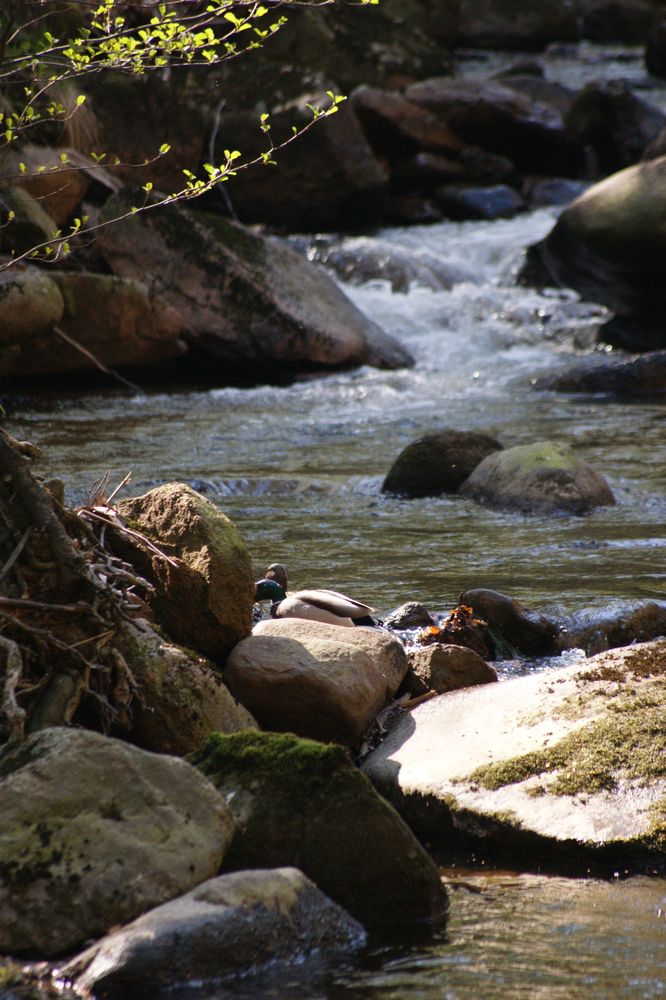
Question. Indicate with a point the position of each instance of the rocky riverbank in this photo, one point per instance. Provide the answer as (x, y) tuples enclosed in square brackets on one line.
[(562, 769)]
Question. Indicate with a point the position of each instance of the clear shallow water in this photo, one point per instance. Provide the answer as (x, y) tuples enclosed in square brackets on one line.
[(299, 468), (508, 936)]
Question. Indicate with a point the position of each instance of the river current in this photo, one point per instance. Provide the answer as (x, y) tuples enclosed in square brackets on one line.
[(299, 470)]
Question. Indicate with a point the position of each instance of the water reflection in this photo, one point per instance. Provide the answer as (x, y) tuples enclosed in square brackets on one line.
[(509, 935)]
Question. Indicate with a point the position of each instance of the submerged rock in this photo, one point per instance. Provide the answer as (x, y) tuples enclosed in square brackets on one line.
[(249, 299), (545, 477), (438, 463), (228, 926), (205, 588), (597, 630), (298, 802), (316, 680), (636, 376), (562, 769), (94, 832)]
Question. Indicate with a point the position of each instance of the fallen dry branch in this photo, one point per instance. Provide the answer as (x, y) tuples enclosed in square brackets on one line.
[(65, 600)]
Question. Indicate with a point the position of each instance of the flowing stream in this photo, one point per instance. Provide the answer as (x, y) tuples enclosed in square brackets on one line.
[(299, 469)]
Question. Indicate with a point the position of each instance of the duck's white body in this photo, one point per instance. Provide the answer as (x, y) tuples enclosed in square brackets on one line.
[(322, 606)]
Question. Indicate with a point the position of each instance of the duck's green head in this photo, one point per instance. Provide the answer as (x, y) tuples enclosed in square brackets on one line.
[(269, 590)]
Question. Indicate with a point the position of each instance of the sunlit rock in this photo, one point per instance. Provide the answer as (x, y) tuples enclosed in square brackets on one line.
[(561, 769), (511, 622), (316, 680), (446, 668), (204, 586)]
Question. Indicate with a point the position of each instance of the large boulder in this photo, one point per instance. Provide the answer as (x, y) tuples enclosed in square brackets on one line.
[(438, 462), (329, 179), (205, 586), (613, 125), (180, 698), (94, 832), (228, 926), (610, 246), (545, 477), (618, 624), (316, 680), (250, 300), (292, 800), (107, 321), (490, 114), (560, 769), (515, 24)]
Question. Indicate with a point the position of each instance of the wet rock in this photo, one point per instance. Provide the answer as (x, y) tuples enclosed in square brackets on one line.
[(409, 615), (58, 188), (228, 926), (205, 588), (315, 680), (116, 320), (293, 799), (438, 463), (180, 698), (540, 478), (609, 245), (460, 628), (634, 376), (552, 191), (30, 304), (522, 628), (447, 668), (459, 202), (248, 299), (515, 24), (560, 770), (613, 125), (329, 179), (93, 832), (596, 630), (493, 116)]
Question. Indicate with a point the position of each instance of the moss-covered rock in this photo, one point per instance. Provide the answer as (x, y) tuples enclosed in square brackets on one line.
[(180, 697), (205, 586), (545, 477), (564, 769), (93, 832), (303, 803)]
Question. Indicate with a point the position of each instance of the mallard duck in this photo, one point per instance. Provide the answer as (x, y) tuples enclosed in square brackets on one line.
[(315, 605)]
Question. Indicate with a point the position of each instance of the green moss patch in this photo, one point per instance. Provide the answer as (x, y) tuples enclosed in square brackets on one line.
[(641, 663), (629, 742), (281, 755)]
